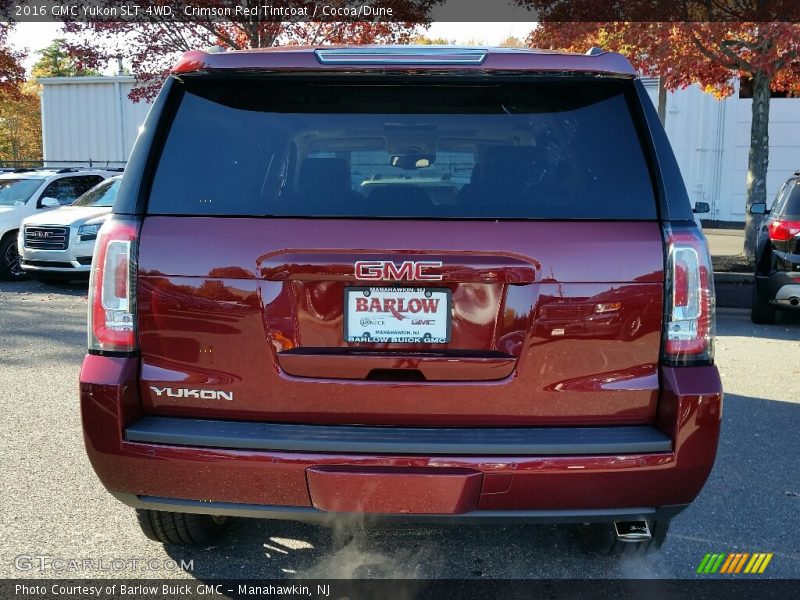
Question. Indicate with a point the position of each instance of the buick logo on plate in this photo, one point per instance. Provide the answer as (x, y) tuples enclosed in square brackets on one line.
[(367, 322)]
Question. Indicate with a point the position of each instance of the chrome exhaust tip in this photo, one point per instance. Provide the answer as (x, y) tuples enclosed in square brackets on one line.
[(632, 531)]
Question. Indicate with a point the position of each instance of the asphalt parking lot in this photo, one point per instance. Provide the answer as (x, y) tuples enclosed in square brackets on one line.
[(51, 504)]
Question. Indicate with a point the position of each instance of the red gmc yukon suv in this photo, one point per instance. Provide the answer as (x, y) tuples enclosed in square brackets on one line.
[(425, 284)]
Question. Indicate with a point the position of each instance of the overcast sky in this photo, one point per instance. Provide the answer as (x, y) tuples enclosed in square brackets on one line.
[(35, 36)]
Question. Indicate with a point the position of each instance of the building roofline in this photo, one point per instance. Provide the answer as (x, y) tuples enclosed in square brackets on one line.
[(90, 79)]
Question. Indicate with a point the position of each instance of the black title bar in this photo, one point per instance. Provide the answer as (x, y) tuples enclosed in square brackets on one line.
[(396, 11), (405, 589)]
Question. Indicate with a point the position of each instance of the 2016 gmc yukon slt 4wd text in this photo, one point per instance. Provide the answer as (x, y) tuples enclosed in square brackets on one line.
[(439, 284)]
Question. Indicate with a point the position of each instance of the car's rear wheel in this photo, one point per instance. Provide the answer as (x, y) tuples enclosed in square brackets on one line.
[(184, 529), (631, 327), (10, 265), (761, 311), (601, 538)]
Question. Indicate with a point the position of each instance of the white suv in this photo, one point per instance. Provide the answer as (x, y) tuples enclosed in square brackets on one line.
[(25, 192), (58, 245)]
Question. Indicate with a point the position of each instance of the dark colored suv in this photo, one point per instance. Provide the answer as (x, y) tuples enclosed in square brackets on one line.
[(426, 284), (777, 274)]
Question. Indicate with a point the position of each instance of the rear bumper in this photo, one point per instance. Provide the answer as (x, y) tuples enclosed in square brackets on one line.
[(309, 514), (780, 288), (600, 473), (348, 439), (69, 267), (76, 270), (76, 259)]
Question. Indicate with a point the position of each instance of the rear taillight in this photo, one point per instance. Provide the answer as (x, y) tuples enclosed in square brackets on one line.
[(783, 231), (112, 288), (689, 298)]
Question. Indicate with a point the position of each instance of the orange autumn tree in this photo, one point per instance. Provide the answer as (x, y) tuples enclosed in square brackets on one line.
[(12, 73), (20, 123), (712, 55), (151, 45), (20, 129)]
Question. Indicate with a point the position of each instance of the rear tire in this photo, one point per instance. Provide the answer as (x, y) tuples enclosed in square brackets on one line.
[(631, 328), (600, 538), (761, 311), (10, 266), (183, 529)]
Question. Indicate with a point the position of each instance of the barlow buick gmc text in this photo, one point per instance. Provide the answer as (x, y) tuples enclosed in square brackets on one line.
[(396, 283)]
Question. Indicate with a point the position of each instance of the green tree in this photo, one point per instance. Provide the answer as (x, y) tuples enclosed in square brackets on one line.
[(56, 61)]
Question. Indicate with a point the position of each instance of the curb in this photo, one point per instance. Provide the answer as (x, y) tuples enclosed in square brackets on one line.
[(740, 278)]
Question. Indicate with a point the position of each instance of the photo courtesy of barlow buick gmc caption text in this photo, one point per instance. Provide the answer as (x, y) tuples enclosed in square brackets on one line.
[(399, 299)]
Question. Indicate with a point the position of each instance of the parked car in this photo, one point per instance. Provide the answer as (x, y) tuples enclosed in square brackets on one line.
[(265, 341), (776, 284), (25, 192), (58, 244)]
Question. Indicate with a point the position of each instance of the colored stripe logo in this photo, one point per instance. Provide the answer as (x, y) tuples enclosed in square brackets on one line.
[(734, 563)]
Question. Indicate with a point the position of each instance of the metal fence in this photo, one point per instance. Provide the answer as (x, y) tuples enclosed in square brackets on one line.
[(34, 163)]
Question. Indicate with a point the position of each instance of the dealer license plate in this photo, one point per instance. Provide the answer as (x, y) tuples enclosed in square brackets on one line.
[(397, 315)]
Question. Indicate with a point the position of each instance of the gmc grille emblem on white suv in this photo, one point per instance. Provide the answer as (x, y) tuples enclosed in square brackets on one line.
[(409, 270)]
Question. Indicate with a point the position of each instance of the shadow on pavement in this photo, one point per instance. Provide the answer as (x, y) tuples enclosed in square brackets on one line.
[(76, 287), (785, 328), (750, 498), (750, 503), (753, 493), (39, 323)]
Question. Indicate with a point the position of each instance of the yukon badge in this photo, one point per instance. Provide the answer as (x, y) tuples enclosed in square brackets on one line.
[(410, 270), (187, 393)]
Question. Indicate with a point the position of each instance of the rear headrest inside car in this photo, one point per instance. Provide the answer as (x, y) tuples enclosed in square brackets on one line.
[(324, 175)]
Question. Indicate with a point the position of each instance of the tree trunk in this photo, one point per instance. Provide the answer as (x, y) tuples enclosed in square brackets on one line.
[(662, 101), (758, 160)]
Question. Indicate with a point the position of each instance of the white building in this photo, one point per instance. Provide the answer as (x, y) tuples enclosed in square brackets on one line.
[(711, 140), (89, 119), (92, 118)]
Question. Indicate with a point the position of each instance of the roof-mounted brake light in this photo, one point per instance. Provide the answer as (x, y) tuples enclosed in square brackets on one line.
[(410, 55)]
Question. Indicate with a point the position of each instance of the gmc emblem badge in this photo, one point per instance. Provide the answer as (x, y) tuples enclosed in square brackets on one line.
[(409, 270)]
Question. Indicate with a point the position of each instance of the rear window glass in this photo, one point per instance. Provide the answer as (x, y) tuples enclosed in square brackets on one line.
[(545, 150), (17, 191), (793, 203), (102, 195)]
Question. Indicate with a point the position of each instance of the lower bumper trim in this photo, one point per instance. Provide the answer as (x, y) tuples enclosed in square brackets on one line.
[(55, 266), (532, 441), (309, 514)]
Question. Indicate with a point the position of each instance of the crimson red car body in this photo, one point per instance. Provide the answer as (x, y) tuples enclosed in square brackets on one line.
[(689, 411), (382, 58), (555, 360)]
